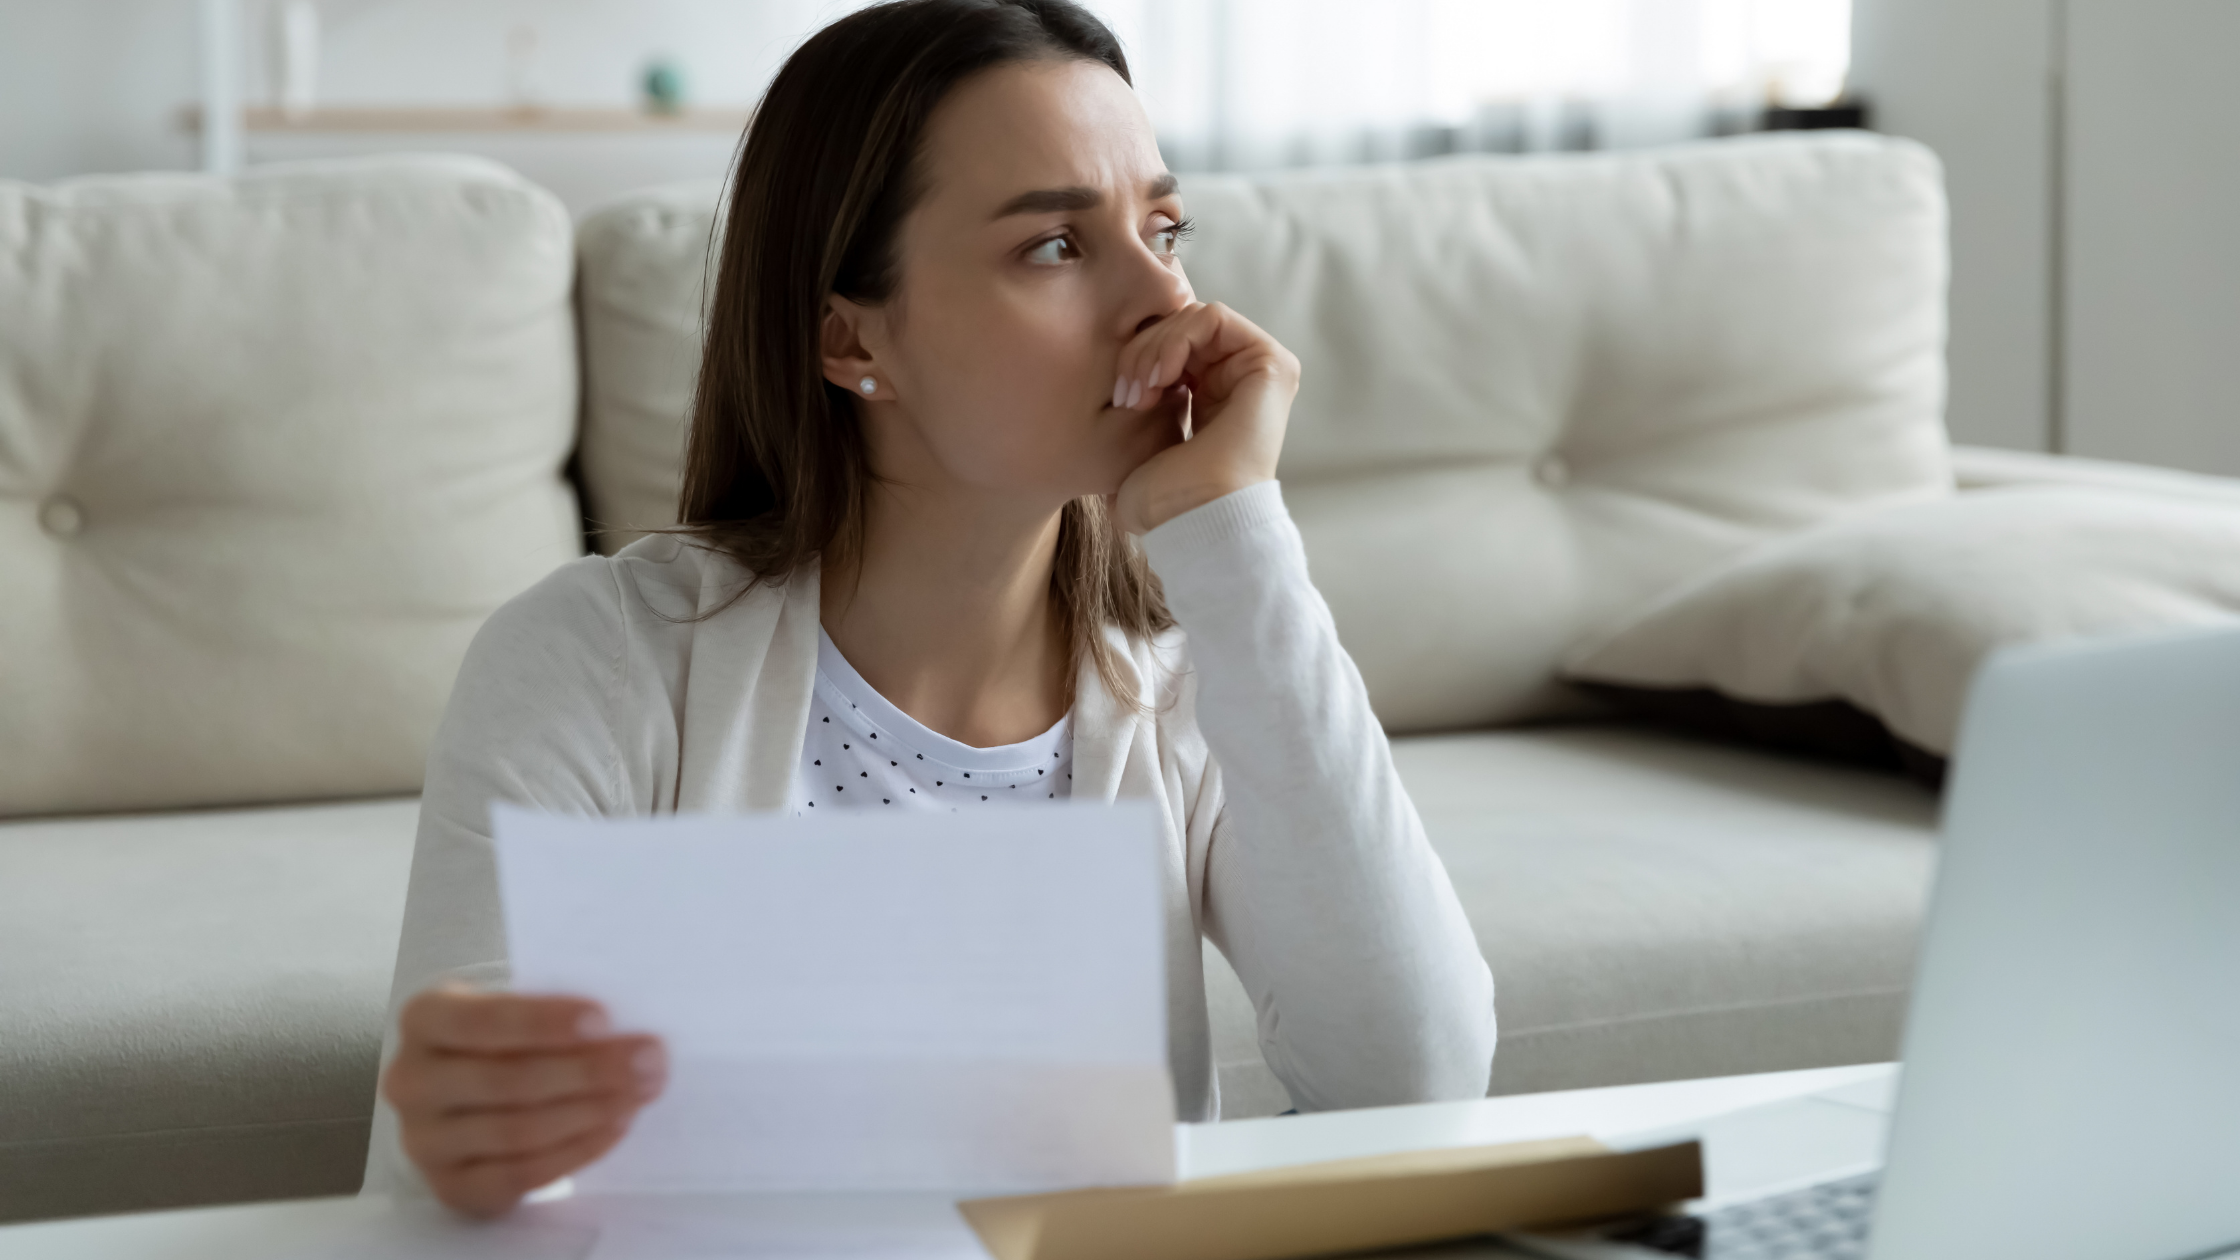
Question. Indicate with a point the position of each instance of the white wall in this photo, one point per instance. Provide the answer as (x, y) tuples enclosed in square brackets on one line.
[(1971, 79), (2092, 153), (580, 52), (2152, 371), (95, 85)]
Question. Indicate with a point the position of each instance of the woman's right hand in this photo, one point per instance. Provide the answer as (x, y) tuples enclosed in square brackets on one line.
[(497, 1094)]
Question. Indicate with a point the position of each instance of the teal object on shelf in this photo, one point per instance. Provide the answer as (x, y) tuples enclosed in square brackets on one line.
[(664, 87)]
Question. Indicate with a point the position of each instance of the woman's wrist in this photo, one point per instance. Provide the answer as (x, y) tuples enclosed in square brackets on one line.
[(1168, 504)]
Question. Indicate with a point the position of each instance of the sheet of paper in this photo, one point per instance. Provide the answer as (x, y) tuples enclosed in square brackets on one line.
[(781, 1227), (870, 1001), (375, 1228)]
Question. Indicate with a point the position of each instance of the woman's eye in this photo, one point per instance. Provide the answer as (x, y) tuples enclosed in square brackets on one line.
[(1057, 249), (1169, 238)]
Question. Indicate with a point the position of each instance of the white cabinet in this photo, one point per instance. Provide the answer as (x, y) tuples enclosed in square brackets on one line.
[(2151, 362), (2092, 153)]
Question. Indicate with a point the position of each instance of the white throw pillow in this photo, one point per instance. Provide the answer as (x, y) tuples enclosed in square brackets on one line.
[(1891, 610)]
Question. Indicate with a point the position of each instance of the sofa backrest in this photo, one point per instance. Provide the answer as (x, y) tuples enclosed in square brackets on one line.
[(1537, 392), (270, 450)]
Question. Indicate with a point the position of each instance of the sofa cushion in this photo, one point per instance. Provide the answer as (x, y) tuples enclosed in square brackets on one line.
[(1656, 908), (1892, 611), (1537, 391), (643, 264), (270, 449), (193, 1003)]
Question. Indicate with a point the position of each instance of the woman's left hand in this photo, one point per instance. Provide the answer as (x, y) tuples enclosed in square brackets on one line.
[(1239, 382)]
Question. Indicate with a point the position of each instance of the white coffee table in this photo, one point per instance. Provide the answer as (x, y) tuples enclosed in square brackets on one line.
[(1760, 1133)]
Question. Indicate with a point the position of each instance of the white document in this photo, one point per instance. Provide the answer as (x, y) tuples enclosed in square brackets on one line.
[(781, 1227), (870, 1001)]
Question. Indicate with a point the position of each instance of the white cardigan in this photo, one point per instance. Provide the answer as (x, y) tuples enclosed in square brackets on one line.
[(1290, 842)]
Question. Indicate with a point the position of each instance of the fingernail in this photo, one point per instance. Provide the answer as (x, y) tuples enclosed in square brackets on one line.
[(1119, 389), (650, 1065), (593, 1024), (1135, 393)]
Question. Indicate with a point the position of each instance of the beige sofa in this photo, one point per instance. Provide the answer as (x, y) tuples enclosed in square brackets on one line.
[(270, 449)]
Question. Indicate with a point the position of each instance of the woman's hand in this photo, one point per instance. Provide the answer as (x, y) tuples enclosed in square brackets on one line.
[(499, 1093), (1239, 383)]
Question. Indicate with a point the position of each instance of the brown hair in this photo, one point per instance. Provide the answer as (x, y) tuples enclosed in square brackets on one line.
[(776, 472)]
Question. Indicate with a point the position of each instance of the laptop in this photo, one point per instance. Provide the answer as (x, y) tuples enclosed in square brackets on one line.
[(2072, 1054)]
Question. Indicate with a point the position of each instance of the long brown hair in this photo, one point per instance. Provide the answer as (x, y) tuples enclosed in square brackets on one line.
[(776, 472)]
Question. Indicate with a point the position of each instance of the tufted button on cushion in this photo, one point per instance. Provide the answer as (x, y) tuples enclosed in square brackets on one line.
[(311, 422), (61, 517), (1740, 339)]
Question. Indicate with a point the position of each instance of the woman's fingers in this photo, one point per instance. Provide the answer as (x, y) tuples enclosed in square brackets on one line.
[(1158, 355), (516, 1131), (460, 1019), (632, 1067), (490, 1187), (499, 1093), (1196, 340)]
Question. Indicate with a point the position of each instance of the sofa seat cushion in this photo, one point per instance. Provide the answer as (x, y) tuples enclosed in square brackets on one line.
[(1656, 908), (193, 1003), (271, 448)]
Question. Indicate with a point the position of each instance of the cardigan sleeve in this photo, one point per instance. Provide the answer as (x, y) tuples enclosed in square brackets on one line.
[(530, 721), (1320, 886)]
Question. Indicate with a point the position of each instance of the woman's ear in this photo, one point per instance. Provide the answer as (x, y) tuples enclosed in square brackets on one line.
[(848, 362)]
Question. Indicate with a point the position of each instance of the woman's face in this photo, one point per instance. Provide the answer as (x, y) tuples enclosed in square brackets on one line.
[(1044, 241)]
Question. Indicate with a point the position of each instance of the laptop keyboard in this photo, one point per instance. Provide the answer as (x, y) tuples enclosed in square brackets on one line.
[(1823, 1222)]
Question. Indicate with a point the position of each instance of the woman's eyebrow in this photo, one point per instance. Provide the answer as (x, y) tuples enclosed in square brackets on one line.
[(1077, 197)]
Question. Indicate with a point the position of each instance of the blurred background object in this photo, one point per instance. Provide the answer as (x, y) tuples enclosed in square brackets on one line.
[(299, 58), (664, 86), (1251, 84), (589, 98)]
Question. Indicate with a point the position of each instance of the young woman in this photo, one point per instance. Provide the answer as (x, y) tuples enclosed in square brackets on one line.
[(953, 364)]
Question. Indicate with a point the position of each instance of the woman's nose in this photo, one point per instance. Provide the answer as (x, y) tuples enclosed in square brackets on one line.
[(1168, 291)]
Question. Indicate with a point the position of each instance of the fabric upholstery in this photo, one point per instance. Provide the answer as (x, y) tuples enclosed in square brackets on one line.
[(644, 266), (1656, 908), (1836, 730), (1894, 610), (1653, 908), (1987, 468), (270, 449), (193, 1003), (1544, 388)]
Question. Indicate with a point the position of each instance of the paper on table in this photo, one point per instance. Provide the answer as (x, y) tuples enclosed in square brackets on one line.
[(871, 1001), (410, 1229), (794, 1227)]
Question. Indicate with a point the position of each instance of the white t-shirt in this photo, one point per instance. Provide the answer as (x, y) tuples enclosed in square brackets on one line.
[(862, 751)]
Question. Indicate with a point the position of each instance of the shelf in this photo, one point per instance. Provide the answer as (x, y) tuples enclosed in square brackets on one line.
[(464, 119)]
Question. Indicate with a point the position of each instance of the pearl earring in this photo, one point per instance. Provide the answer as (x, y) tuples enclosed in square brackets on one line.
[(868, 386)]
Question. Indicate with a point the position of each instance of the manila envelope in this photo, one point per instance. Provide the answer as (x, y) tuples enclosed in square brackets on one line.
[(1344, 1205)]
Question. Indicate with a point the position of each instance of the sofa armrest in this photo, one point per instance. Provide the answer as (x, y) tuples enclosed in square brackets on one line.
[(1985, 468)]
